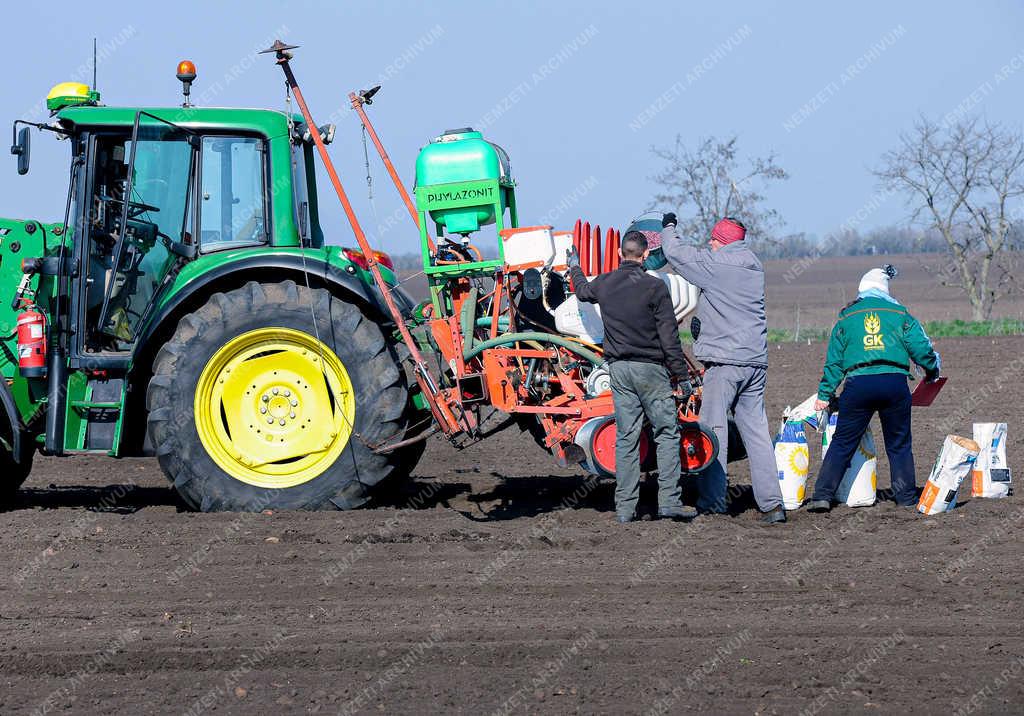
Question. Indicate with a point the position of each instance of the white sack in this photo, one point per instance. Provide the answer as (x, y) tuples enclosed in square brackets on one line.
[(991, 475), (857, 488), (956, 458), (791, 460)]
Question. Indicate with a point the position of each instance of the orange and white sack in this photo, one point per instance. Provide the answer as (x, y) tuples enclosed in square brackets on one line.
[(991, 476), (857, 488), (791, 459), (955, 461)]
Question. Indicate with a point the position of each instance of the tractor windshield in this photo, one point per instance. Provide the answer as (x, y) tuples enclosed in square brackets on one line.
[(153, 204)]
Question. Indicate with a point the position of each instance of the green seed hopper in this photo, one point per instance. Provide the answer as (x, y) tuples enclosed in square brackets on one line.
[(463, 183)]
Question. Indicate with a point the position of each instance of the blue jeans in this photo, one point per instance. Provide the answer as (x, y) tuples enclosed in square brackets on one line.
[(864, 395)]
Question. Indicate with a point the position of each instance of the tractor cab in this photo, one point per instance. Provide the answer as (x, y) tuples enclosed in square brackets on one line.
[(153, 197), (159, 201), (188, 307), (156, 189)]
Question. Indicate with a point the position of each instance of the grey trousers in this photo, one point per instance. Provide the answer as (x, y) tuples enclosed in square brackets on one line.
[(741, 390), (640, 389)]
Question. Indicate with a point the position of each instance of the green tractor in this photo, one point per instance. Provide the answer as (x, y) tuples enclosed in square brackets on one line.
[(189, 307)]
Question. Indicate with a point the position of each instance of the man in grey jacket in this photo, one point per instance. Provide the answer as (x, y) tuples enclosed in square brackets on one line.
[(732, 343)]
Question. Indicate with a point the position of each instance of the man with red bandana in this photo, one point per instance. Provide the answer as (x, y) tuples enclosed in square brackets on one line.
[(731, 340)]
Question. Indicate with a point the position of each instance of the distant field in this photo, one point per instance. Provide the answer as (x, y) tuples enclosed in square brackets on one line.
[(828, 284)]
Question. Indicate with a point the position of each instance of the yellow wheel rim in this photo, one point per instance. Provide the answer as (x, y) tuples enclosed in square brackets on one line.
[(274, 407)]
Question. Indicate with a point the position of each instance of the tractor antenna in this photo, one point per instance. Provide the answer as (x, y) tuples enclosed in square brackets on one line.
[(94, 87)]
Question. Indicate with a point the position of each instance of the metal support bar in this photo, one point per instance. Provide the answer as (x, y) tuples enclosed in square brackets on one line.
[(439, 407), (357, 104)]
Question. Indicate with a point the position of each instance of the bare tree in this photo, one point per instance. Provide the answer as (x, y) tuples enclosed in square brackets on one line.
[(965, 182), (714, 182)]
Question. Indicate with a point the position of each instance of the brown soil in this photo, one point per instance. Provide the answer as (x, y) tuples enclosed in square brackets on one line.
[(496, 583)]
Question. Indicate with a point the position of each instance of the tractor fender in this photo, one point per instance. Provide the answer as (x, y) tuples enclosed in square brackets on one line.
[(13, 419), (272, 268)]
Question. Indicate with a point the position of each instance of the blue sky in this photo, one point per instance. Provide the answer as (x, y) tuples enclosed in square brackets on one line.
[(576, 92)]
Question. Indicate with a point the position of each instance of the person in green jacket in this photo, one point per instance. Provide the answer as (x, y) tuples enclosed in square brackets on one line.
[(871, 348)]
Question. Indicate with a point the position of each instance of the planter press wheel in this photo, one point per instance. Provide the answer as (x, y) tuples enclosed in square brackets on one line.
[(698, 446)]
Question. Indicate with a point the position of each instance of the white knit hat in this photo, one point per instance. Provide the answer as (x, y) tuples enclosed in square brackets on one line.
[(875, 278)]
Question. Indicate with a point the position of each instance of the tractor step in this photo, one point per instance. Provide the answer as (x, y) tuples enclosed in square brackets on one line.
[(94, 412)]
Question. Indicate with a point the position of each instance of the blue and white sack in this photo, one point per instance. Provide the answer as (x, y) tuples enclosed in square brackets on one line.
[(857, 488), (791, 460)]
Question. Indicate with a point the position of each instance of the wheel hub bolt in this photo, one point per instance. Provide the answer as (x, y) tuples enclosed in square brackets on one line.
[(275, 391), (266, 398), (292, 415), (263, 409), (287, 393), (282, 421), (295, 403), (270, 420)]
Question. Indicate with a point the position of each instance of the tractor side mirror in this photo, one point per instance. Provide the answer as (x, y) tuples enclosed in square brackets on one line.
[(22, 148), (185, 251)]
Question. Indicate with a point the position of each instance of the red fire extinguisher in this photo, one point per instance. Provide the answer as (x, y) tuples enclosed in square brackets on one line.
[(32, 342)]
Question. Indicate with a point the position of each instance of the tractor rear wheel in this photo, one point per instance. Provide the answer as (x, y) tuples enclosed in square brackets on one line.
[(12, 474), (270, 396)]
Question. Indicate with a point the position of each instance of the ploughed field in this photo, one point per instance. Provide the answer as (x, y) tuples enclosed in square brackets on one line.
[(495, 582), (815, 289)]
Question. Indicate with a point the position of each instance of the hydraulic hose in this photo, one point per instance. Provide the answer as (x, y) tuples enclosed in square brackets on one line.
[(467, 318), (507, 338), (485, 322)]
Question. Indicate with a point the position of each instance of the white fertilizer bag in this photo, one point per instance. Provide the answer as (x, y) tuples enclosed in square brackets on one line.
[(804, 411), (791, 460), (857, 488), (954, 462), (991, 476)]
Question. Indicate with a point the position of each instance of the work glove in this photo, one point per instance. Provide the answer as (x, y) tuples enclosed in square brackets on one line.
[(682, 390), (572, 257), (933, 375), (668, 219)]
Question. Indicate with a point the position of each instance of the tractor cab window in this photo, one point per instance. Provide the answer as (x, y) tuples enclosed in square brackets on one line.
[(232, 212), (151, 199)]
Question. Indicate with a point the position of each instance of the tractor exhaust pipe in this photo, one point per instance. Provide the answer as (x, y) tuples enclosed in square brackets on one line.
[(56, 398)]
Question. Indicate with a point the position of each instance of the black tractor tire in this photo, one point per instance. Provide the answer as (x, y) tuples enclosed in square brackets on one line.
[(737, 450), (379, 386), (417, 420), (405, 459), (13, 474)]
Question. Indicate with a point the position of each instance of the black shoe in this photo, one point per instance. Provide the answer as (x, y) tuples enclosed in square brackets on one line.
[(819, 506), (625, 519), (774, 517), (679, 512)]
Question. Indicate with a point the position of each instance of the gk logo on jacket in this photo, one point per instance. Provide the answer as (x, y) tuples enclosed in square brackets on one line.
[(872, 333)]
